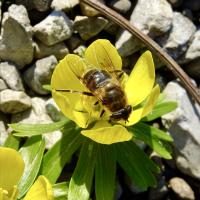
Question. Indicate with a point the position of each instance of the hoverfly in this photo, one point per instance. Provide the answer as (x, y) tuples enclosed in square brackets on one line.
[(102, 83)]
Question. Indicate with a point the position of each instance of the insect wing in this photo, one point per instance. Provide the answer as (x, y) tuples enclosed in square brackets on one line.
[(77, 65), (104, 55)]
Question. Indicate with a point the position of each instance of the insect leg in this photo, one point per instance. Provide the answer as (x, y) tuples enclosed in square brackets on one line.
[(74, 91), (102, 112)]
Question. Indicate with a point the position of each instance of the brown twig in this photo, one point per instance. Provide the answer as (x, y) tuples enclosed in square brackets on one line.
[(170, 63)]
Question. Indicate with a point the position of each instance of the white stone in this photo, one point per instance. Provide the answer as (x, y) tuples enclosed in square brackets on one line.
[(181, 188), (88, 10), (56, 27), (53, 110), (3, 131), (193, 51), (88, 27), (184, 124), (40, 73), (59, 50), (14, 101), (11, 76), (176, 43), (153, 17), (122, 6), (16, 43), (3, 85), (65, 5), (38, 115)]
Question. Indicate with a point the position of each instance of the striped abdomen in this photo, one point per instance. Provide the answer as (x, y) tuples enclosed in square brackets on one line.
[(105, 88)]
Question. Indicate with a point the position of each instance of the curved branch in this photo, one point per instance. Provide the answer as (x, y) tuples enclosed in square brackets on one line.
[(170, 63)]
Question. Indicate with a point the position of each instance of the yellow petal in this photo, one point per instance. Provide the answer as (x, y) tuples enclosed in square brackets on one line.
[(102, 54), (3, 195), (63, 78), (151, 101), (41, 189), (139, 113), (141, 79), (13, 193), (134, 117), (11, 168), (104, 133)]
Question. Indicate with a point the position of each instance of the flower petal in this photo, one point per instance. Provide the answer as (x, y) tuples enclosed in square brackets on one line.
[(63, 78), (71, 106), (41, 189), (141, 79), (101, 53), (11, 168), (134, 117), (139, 113), (105, 133), (151, 101)]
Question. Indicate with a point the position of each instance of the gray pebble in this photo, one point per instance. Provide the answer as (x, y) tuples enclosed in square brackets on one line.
[(11, 76), (122, 6), (181, 188), (183, 124), (59, 50), (193, 51), (39, 74), (38, 115), (14, 101), (88, 10), (55, 28), (3, 85), (65, 5), (40, 5), (16, 37), (152, 17), (88, 27), (176, 43)]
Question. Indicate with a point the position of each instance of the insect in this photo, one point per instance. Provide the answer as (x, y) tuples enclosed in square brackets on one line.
[(103, 83)]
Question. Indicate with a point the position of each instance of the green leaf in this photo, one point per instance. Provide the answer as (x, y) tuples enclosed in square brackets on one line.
[(47, 87), (60, 191), (81, 181), (32, 153), (152, 137), (152, 131), (12, 142), (56, 158), (160, 109), (23, 130), (105, 171), (136, 164)]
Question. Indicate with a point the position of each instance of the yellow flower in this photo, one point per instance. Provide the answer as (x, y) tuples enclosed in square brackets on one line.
[(11, 170), (138, 87)]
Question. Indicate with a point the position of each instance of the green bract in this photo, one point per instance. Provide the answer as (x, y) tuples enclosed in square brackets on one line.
[(139, 89)]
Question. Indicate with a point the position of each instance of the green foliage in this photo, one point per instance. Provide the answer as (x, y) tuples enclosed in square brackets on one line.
[(81, 181), (153, 137), (12, 142), (105, 172), (56, 158), (60, 191), (22, 130), (32, 153), (136, 164), (47, 87), (160, 109), (95, 161)]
